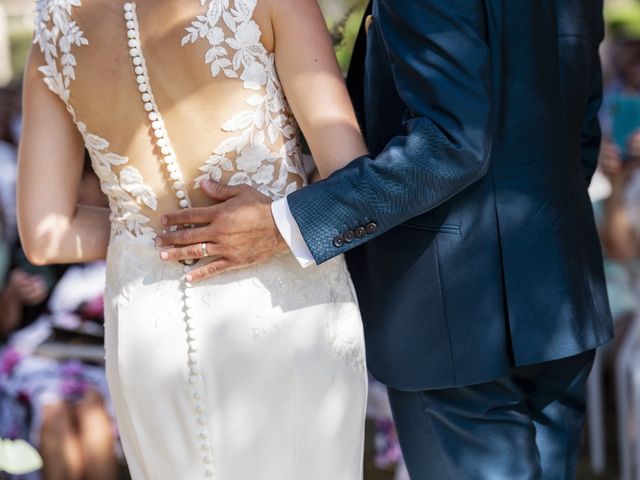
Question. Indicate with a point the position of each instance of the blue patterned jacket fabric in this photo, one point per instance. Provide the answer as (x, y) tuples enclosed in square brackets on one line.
[(468, 229)]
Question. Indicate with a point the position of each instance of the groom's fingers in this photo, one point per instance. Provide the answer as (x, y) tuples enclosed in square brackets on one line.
[(191, 251), (187, 236), (209, 270), (189, 216)]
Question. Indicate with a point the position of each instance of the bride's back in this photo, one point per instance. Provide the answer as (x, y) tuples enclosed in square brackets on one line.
[(166, 92)]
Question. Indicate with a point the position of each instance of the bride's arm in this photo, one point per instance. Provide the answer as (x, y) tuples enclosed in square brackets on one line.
[(313, 84), (53, 228)]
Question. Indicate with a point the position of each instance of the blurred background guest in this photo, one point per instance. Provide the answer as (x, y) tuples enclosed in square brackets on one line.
[(58, 398), (617, 206), (10, 99), (387, 454)]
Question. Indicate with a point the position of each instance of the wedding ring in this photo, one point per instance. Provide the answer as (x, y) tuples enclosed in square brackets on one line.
[(203, 248)]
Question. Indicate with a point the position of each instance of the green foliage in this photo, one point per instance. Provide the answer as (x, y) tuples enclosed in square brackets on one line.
[(19, 43), (343, 20), (348, 33), (623, 18)]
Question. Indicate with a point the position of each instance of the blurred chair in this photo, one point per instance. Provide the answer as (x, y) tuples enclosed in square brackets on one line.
[(595, 416), (635, 391), (627, 379)]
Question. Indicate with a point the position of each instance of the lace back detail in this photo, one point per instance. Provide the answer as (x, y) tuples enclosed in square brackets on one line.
[(264, 148), (261, 149), (55, 34)]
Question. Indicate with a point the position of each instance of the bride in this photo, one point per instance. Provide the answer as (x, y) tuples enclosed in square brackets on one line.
[(255, 374)]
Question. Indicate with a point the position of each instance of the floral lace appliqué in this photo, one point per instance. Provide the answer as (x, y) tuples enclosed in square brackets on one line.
[(125, 190), (55, 34), (267, 120)]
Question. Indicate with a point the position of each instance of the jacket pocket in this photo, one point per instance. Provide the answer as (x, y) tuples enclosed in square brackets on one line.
[(431, 226)]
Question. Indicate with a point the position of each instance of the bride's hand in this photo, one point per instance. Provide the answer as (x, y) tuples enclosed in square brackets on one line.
[(238, 232)]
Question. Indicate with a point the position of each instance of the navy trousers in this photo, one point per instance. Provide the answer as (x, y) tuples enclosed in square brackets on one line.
[(524, 426)]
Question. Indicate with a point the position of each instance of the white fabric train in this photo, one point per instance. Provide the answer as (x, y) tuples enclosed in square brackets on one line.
[(281, 385)]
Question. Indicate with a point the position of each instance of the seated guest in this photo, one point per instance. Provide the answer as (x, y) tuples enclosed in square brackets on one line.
[(618, 217), (621, 227), (60, 406)]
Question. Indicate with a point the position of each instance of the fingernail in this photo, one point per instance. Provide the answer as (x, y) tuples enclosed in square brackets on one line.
[(164, 255), (163, 220), (189, 278)]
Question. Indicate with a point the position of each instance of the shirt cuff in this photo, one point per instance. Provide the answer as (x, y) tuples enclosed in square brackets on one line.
[(290, 232)]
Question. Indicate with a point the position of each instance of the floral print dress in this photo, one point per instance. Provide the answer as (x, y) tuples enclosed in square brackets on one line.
[(28, 381)]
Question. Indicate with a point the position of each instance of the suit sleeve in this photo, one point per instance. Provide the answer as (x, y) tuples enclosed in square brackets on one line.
[(440, 62), (591, 133)]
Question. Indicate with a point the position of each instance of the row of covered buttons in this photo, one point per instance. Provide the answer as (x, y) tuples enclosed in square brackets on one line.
[(350, 235), (194, 371), (150, 106)]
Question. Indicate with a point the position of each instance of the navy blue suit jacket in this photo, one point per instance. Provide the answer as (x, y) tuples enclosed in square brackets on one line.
[(477, 249)]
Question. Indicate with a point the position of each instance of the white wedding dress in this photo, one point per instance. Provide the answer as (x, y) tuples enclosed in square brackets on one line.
[(257, 374)]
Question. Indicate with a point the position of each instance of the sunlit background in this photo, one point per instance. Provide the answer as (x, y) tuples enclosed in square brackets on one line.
[(612, 440)]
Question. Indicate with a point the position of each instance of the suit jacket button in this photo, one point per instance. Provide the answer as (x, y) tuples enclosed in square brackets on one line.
[(371, 228), (360, 232), (338, 241), (349, 236)]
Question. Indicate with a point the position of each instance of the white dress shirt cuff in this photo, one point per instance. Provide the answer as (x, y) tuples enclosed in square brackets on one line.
[(290, 232)]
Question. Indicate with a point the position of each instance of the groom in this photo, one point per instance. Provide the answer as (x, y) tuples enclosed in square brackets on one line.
[(479, 271)]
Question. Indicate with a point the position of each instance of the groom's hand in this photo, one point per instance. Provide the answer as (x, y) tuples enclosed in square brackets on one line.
[(238, 232)]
